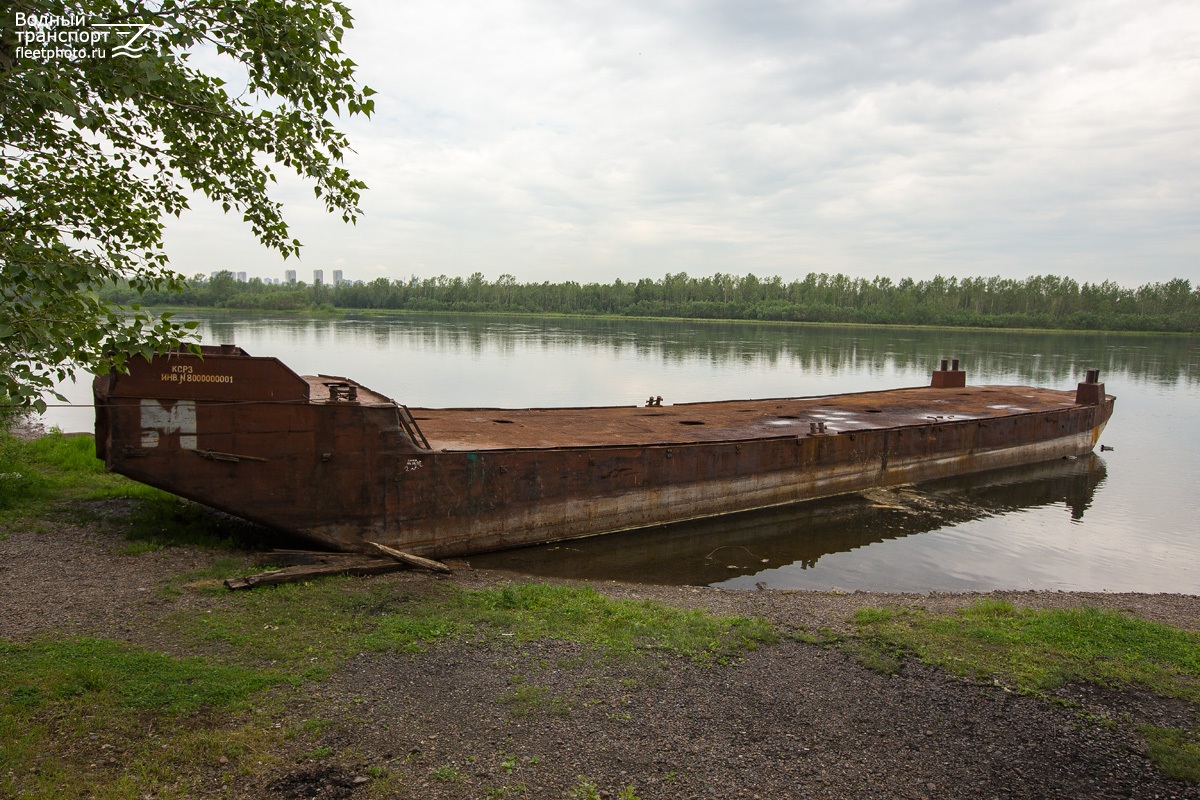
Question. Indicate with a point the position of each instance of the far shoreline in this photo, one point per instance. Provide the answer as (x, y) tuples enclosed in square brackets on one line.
[(340, 313)]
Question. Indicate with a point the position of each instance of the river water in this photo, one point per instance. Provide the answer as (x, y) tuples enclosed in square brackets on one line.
[(1121, 520)]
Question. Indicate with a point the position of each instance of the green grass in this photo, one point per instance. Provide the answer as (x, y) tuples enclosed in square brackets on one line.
[(304, 630), (307, 629), (102, 673), (116, 721), (1040, 650), (57, 476), (1176, 752), (32, 472), (573, 613)]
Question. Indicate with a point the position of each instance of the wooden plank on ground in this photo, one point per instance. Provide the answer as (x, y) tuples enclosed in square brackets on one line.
[(410, 559)]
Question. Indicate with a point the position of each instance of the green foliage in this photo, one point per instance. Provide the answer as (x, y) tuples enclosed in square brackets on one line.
[(1043, 301), (19, 484), (588, 789), (97, 148), (1040, 650)]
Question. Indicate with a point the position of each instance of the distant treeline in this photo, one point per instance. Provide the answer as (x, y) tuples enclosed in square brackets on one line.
[(1044, 301)]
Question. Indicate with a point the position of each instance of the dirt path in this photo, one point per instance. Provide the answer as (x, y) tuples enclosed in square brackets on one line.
[(548, 719)]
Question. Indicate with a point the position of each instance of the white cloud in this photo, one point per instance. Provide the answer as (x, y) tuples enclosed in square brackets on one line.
[(590, 141)]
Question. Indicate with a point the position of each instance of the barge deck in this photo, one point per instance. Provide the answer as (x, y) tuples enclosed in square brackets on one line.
[(731, 420)]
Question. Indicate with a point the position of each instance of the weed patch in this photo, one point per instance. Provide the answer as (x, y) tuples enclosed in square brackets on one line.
[(527, 699), (302, 630), (447, 773), (32, 471)]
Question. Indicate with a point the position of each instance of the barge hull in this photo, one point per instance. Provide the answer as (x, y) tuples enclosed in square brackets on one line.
[(332, 462), (679, 483)]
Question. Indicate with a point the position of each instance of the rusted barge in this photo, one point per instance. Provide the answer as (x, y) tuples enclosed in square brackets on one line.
[(338, 464)]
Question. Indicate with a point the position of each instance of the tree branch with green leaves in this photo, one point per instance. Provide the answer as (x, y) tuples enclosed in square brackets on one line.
[(98, 148)]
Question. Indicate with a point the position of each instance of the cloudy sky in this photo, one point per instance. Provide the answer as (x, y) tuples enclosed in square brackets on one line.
[(590, 141)]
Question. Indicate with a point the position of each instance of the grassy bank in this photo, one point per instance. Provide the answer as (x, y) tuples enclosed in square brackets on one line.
[(215, 690)]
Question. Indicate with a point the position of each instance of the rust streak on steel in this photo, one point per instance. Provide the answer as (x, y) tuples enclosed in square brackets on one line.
[(334, 462)]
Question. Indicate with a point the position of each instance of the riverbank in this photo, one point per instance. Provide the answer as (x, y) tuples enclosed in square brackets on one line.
[(332, 312), (454, 709)]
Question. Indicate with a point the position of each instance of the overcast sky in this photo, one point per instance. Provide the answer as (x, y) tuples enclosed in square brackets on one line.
[(590, 141)]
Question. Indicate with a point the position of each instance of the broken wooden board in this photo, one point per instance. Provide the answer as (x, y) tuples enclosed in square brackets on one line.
[(410, 559)]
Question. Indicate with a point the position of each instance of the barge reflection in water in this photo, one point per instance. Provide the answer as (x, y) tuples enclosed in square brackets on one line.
[(744, 549)]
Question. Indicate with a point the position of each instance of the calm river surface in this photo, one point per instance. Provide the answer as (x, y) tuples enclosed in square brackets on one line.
[(1125, 520)]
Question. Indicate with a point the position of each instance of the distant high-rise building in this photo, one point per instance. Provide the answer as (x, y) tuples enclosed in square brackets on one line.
[(241, 276), (318, 277), (289, 275), (337, 277)]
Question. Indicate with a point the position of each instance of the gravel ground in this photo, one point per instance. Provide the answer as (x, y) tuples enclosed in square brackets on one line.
[(544, 719)]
